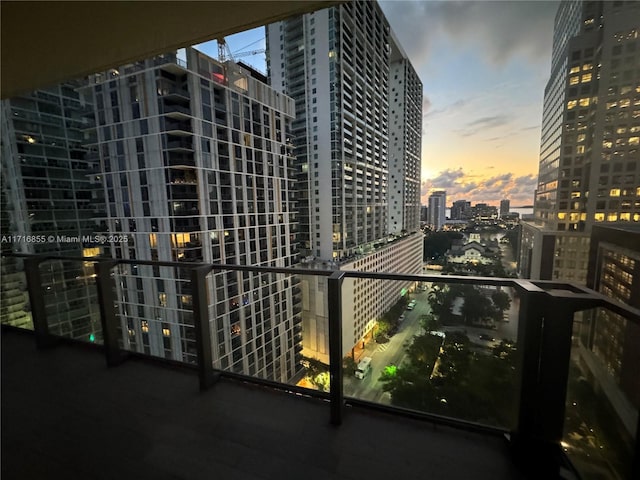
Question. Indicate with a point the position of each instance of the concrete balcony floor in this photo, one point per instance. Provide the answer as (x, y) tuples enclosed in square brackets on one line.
[(66, 415)]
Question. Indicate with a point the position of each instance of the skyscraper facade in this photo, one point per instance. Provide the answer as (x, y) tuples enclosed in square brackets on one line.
[(461, 210), (589, 158), (405, 145), (336, 64), (437, 209), (50, 201), (196, 167), (504, 207)]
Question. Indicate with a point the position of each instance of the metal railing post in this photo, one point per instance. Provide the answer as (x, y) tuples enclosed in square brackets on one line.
[(336, 394), (36, 300), (555, 357), (206, 373), (530, 320), (108, 319)]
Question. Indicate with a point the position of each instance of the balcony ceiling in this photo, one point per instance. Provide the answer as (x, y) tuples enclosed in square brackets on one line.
[(47, 42)]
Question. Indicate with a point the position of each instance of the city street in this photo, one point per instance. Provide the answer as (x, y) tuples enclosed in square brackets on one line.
[(392, 352)]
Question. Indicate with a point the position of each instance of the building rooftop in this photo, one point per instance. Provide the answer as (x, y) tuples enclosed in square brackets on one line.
[(66, 415)]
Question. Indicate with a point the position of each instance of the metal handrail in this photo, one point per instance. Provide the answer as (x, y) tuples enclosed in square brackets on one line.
[(544, 340)]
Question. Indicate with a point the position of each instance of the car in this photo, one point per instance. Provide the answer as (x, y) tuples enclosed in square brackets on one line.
[(401, 318), (410, 306), (484, 336)]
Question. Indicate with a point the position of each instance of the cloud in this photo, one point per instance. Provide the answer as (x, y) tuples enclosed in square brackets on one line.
[(474, 188), (483, 123), (499, 30)]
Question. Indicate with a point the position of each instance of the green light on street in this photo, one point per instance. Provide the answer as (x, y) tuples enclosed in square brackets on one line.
[(390, 370), (403, 292)]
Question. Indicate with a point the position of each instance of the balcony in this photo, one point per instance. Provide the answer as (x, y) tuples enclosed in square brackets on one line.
[(247, 425)]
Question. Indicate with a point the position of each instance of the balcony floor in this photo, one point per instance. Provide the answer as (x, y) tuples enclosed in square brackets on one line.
[(66, 415)]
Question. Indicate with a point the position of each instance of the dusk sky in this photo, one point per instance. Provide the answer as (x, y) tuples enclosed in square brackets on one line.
[(484, 66)]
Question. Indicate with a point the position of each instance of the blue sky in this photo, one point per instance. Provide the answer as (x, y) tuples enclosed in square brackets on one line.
[(484, 65)]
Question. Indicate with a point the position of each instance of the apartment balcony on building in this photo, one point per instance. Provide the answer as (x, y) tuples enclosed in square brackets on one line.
[(524, 399)]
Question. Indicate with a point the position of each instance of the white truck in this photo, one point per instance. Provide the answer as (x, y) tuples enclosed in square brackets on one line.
[(363, 368)]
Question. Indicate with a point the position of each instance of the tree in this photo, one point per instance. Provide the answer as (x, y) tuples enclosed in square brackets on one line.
[(476, 306), (349, 365), (437, 244), (317, 373), (501, 300)]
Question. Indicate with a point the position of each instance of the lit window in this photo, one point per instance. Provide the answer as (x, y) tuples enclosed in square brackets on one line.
[(611, 105), (583, 217), (145, 326), (587, 66), (586, 78), (581, 137), (580, 149), (572, 104), (599, 217), (574, 80), (153, 240), (584, 102), (634, 140), (574, 70), (612, 217), (163, 299), (625, 217), (575, 194), (562, 215), (166, 332), (615, 192), (625, 102)]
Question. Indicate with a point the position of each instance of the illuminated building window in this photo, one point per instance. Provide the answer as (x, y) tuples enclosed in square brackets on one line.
[(634, 140), (180, 239), (587, 66), (163, 299), (581, 137), (562, 215), (153, 240), (612, 217), (575, 194), (584, 102), (145, 326), (572, 104), (615, 192), (166, 332), (599, 217), (574, 70), (586, 78), (574, 80)]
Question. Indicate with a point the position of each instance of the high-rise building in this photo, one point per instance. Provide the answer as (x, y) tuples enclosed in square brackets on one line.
[(196, 167), (424, 213), (504, 207), (437, 209), (405, 142), (50, 203), (336, 64), (589, 162), (461, 210)]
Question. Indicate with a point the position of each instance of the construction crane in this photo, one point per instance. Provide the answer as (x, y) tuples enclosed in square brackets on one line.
[(224, 52)]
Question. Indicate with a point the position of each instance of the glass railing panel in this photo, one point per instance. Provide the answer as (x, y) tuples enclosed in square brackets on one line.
[(155, 311), (14, 297), (262, 326), (437, 348), (71, 299), (603, 395)]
